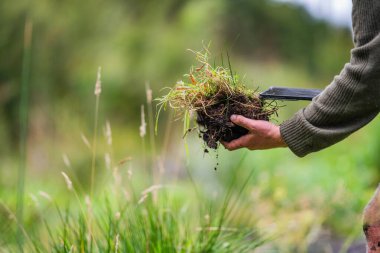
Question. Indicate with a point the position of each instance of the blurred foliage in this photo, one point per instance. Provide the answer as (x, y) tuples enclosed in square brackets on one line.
[(135, 42), (279, 32), (139, 41)]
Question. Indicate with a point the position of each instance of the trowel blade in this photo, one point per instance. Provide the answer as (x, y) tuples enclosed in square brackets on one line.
[(284, 93)]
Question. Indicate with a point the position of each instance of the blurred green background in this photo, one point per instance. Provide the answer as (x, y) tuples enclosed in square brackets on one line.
[(300, 201)]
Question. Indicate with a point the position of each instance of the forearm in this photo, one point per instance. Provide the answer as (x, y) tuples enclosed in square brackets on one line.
[(351, 100)]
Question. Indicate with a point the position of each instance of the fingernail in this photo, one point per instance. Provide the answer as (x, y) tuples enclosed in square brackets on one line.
[(233, 117)]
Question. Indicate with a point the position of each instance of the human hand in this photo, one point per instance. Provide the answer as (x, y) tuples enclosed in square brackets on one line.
[(262, 135)]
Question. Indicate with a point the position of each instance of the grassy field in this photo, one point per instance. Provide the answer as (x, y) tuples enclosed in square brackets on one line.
[(84, 172), (150, 194)]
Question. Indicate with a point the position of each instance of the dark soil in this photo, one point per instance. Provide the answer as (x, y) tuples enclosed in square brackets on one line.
[(214, 119)]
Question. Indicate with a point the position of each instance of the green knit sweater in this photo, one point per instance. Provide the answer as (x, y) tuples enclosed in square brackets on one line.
[(352, 100)]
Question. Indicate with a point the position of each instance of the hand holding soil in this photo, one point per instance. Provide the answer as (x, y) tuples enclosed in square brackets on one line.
[(261, 135), (214, 94)]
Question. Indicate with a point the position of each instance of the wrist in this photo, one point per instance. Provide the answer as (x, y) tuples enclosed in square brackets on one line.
[(278, 137)]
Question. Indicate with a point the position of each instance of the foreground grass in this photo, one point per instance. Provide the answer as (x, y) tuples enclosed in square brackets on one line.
[(123, 211), (296, 199), (160, 218)]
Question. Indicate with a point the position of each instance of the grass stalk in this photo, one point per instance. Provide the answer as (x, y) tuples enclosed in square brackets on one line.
[(150, 121), (24, 108), (20, 227), (97, 92), (224, 210), (167, 135), (142, 135)]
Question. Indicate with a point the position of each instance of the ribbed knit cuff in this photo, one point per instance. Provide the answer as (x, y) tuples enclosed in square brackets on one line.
[(296, 135)]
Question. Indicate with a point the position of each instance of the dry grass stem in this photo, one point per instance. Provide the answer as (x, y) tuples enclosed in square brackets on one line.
[(107, 159), (67, 180), (152, 188), (98, 84), (149, 95), (34, 199), (66, 160), (108, 133), (143, 123), (124, 160), (45, 196), (117, 243), (85, 140), (142, 199)]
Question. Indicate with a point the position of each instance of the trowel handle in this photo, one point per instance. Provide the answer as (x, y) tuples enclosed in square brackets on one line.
[(283, 93)]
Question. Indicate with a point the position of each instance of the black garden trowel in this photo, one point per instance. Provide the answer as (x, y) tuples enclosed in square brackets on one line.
[(283, 93)]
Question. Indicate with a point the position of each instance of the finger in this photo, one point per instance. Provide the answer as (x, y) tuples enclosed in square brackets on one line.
[(257, 126), (223, 143), (232, 146), (242, 121), (228, 145), (241, 142)]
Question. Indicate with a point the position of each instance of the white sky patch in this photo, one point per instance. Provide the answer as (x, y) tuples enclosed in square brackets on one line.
[(337, 12)]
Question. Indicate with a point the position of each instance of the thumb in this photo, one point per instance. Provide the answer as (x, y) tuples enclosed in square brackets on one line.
[(242, 121)]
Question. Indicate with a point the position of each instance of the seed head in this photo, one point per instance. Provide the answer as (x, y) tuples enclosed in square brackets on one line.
[(152, 188), (148, 93), (98, 84), (143, 123), (117, 243), (34, 198), (45, 195), (66, 160), (108, 133), (142, 199), (68, 181), (85, 140), (87, 200), (107, 159)]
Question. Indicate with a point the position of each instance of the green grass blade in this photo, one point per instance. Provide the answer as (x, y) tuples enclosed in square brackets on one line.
[(24, 108)]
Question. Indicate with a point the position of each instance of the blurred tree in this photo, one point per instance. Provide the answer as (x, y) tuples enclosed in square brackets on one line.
[(268, 31), (11, 46)]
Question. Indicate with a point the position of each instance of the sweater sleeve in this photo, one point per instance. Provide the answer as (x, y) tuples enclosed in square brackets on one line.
[(352, 100)]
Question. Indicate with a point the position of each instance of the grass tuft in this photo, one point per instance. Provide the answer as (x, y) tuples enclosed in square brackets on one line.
[(214, 93)]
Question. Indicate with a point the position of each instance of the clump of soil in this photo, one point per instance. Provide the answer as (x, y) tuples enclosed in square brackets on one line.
[(214, 94), (214, 120)]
